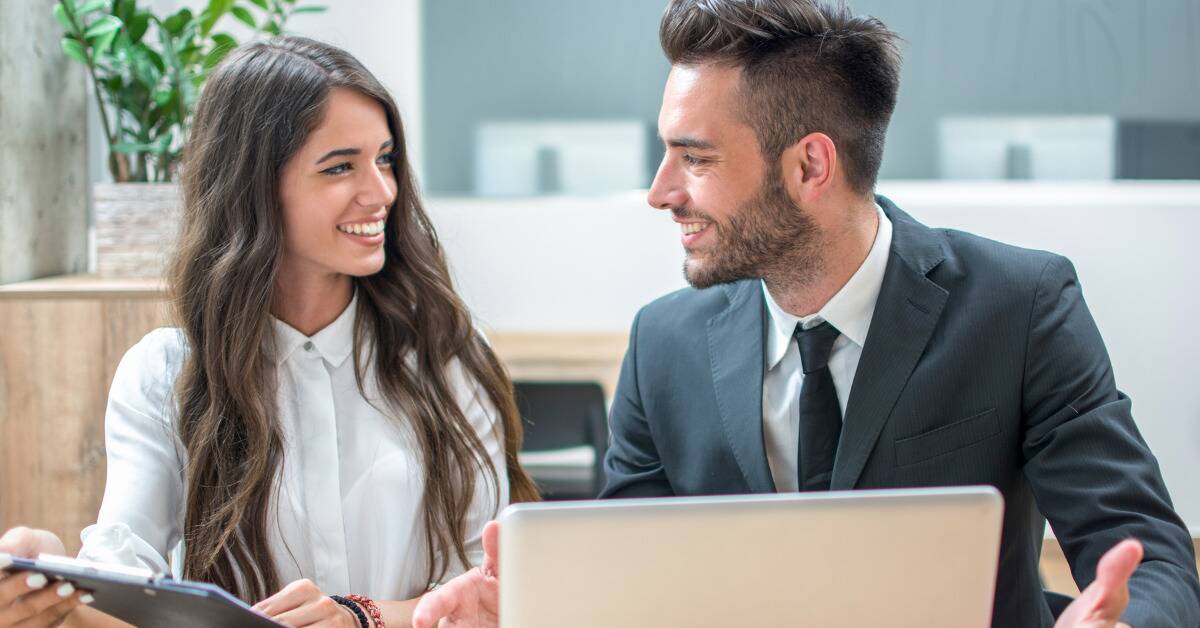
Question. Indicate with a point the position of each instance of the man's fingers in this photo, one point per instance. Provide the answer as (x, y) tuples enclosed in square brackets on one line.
[(437, 604), (491, 548), (1118, 564)]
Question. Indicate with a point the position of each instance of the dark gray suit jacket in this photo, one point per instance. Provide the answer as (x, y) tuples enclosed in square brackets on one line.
[(982, 366)]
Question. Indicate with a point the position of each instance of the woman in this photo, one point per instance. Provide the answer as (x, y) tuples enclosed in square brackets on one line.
[(326, 415)]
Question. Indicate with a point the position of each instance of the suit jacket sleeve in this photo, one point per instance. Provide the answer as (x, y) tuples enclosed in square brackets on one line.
[(1092, 474), (632, 466)]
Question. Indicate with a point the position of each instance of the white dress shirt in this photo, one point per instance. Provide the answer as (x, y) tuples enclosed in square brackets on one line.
[(850, 311), (348, 507)]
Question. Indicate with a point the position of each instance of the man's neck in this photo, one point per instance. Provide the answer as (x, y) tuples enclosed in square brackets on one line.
[(843, 250)]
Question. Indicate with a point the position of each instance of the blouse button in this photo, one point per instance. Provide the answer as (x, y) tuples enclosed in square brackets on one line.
[(308, 346)]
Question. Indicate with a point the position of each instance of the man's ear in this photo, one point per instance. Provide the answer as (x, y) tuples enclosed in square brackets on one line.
[(809, 167)]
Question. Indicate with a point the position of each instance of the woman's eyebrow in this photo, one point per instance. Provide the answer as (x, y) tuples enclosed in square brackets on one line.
[(341, 152), (350, 152)]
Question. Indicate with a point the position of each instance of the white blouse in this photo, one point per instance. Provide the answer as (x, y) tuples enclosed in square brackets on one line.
[(348, 511)]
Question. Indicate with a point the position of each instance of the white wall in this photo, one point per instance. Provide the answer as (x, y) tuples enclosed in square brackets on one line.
[(589, 264)]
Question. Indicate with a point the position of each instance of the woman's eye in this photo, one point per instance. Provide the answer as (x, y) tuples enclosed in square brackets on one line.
[(386, 159), (341, 168)]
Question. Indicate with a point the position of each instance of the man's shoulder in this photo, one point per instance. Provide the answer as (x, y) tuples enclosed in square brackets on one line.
[(999, 264), (687, 307), (965, 254)]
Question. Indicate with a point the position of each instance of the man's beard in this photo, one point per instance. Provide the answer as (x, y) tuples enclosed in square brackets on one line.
[(766, 236)]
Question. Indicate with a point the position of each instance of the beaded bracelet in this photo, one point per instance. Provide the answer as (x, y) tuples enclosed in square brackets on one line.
[(354, 608), (369, 606)]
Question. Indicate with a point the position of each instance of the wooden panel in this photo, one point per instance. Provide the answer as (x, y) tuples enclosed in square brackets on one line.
[(57, 358), (562, 356)]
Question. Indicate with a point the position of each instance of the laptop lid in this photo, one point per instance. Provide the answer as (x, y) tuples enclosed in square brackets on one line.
[(913, 557)]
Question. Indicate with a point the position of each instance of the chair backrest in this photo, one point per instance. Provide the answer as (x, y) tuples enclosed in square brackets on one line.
[(562, 415)]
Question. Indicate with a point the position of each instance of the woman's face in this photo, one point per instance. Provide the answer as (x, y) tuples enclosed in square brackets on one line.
[(337, 189)]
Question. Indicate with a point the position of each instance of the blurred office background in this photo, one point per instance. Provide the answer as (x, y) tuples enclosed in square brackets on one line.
[(1071, 125)]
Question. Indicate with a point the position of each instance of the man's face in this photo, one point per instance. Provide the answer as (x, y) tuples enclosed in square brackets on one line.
[(736, 218)]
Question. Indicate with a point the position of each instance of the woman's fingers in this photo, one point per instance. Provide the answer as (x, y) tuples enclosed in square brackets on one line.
[(43, 603), (54, 614), (320, 611), (13, 586), (291, 597), (28, 543), (19, 541), (12, 589)]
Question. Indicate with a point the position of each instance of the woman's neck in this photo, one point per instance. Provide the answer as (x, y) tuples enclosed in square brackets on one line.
[(310, 302)]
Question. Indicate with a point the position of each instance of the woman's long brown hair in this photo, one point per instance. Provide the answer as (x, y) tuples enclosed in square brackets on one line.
[(256, 111)]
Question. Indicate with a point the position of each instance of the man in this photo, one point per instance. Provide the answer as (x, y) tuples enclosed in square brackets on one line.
[(830, 341)]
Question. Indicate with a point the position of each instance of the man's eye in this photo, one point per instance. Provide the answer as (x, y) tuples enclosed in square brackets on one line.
[(341, 168), (692, 160)]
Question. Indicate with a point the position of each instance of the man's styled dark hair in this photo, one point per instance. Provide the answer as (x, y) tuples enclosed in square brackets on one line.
[(807, 66)]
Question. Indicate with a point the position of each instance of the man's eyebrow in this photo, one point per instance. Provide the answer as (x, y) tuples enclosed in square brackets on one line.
[(688, 142)]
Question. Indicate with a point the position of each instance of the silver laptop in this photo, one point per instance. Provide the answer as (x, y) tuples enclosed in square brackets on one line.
[(921, 557)]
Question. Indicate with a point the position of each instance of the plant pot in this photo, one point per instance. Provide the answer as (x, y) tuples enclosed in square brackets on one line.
[(136, 226)]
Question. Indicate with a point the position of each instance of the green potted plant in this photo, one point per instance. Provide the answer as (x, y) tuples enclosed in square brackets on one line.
[(146, 71)]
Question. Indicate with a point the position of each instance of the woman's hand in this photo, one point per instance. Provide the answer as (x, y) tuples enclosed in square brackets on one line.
[(29, 599), (301, 603)]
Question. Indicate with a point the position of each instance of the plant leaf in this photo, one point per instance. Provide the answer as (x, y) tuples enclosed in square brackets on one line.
[(262, 4), (177, 22), (74, 49), (208, 18), (312, 9), (135, 147), (156, 60), (85, 7), (103, 26), (137, 27), (125, 9), (215, 55), (64, 21), (104, 42), (244, 16)]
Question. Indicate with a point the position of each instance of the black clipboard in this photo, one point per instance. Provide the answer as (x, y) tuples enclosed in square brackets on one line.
[(149, 601)]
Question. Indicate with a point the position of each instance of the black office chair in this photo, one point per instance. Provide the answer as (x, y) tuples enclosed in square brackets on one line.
[(559, 417), (1058, 602)]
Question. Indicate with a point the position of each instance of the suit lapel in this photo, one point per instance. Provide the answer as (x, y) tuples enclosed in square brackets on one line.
[(905, 316), (735, 351)]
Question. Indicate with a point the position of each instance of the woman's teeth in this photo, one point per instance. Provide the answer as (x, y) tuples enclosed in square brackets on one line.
[(693, 227), (363, 228)]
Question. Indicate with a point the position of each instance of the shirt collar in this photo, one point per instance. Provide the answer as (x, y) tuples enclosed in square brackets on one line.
[(333, 342), (849, 310)]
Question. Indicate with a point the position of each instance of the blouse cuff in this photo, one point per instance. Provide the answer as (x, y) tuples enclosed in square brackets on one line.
[(115, 543)]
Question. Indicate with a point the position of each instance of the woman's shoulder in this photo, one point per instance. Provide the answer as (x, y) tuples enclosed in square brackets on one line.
[(150, 367), (160, 347)]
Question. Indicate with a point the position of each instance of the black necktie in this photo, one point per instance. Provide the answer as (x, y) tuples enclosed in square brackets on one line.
[(820, 414)]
